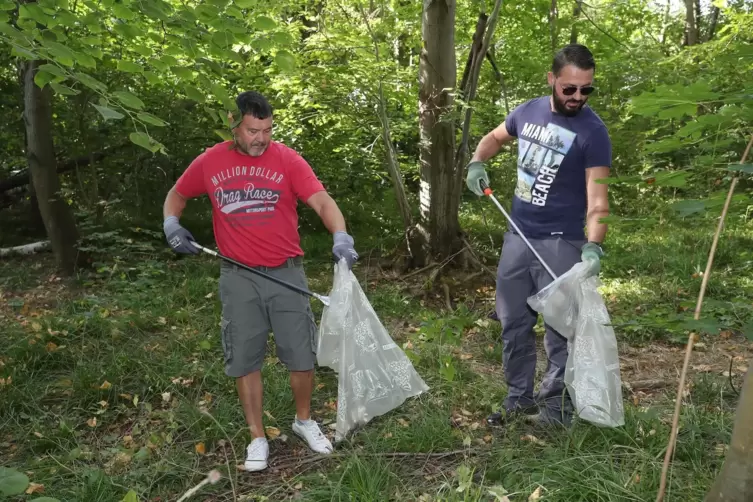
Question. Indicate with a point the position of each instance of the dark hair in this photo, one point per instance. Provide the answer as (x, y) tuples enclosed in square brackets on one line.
[(574, 54), (254, 104)]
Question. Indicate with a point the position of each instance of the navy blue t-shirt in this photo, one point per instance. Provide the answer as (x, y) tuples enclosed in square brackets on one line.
[(554, 152)]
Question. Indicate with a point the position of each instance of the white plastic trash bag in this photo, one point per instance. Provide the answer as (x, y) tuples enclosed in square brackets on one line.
[(574, 307), (374, 374)]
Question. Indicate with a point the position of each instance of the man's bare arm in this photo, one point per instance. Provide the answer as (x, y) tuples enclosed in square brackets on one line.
[(490, 144), (174, 204), (598, 203), (328, 211)]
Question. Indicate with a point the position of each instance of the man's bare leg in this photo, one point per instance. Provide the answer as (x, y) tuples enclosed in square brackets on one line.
[(251, 393), (302, 383)]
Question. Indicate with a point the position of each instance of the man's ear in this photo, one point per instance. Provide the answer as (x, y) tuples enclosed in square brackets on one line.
[(550, 79)]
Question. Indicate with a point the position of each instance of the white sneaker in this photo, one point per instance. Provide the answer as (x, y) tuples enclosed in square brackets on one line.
[(310, 431), (256, 455)]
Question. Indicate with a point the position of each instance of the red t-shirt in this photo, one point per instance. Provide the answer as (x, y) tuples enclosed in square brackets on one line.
[(254, 200)]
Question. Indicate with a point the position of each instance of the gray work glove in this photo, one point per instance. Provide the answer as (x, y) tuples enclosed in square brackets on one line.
[(343, 248), (476, 173), (178, 237), (591, 253)]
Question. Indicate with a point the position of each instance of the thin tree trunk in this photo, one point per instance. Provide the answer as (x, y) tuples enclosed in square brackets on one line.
[(439, 193), (414, 240), (477, 42), (712, 23), (665, 24), (691, 28), (469, 94), (576, 15), (500, 79), (734, 483), (56, 214), (553, 24)]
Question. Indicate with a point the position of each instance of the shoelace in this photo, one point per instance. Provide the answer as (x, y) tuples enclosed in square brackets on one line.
[(257, 447), (315, 431)]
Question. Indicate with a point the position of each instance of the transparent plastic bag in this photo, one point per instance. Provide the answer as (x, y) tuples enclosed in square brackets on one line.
[(374, 374), (573, 306)]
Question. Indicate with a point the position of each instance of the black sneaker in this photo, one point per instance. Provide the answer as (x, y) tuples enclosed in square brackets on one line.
[(499, 418)]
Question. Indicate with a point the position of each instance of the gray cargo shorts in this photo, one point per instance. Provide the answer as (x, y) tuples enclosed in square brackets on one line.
[(252, 306)]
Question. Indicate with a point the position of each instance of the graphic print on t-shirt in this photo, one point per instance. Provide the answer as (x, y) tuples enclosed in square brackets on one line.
[(540, 153), (248, 195)]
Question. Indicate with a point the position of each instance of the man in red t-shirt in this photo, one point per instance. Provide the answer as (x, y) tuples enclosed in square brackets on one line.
[(254, 184)]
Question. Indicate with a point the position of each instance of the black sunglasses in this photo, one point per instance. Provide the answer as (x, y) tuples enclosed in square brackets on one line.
[(570, 90)]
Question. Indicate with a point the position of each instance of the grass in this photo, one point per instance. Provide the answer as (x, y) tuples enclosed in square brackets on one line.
[(114, 382)]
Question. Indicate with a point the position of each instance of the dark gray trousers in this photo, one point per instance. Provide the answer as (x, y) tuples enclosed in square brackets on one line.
[(520, 275)]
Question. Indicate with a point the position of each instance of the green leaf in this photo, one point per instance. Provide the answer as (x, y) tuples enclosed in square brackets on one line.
[(142, 50), (183, 73), (234, 11), (143, 140), (743, 168), (129, 99), (108, 113), (131, 496), (226, 136), (128, 31), (282, 38), (688, 207), (63, 89), (245, 4), (7, 5), (129, 66), (748, 331), (677, 111), (12, 482), (90, 82), (151, 119), (264, 23), (42, 78), (60, 53), (194, 94), (44, 499), (152, 77), (54, 69), (675, 179), (85, 60), (204, 344), (285, 60), (123, 12), (10, 31)]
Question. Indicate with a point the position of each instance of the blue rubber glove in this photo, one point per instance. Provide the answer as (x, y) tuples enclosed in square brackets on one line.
[(591, 253), (343, 248), (178, 237)]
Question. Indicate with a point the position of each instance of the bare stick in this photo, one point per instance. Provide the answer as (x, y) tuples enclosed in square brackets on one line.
[(212, 478), (689, 348)]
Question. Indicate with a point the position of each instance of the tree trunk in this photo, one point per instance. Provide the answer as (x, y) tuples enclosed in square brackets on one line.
[(553, 25), (56, 214), (576, 15), (712, 23), (734, 483), (691, 28), (439, 194)]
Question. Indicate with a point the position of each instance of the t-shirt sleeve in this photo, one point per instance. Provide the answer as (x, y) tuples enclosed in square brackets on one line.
[(511, 121), (598, 149), (302, 177), (191, 182)]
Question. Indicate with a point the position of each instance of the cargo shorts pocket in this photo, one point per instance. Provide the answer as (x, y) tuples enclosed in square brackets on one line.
[(226, 335)]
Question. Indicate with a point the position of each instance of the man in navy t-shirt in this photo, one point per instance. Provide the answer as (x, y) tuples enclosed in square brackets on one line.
[(563, 148)]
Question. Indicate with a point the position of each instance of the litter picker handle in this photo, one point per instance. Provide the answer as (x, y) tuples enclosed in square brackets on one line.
[(321, 298), (488, 192)]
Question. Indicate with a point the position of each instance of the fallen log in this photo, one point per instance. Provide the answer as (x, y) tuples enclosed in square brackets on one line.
[(26, 249)]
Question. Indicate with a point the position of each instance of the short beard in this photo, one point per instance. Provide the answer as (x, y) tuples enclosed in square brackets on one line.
[(243, 149), (560, 107)]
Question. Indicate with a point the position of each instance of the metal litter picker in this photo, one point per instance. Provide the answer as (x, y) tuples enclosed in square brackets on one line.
[(321, 298)]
